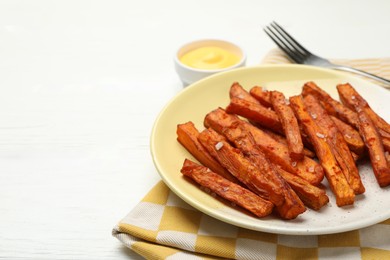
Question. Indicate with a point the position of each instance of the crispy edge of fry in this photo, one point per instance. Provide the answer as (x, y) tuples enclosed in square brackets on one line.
[(312, 196), (237, 91), (289, 124), (351, 98), (255, 112), (355, 157), (332, 106), (386, 144), (227, 189), (383, 133), (187, 136), (387, 155), (351, 136), (338, 183), (261, 95), (375, 148), (307, 169), (336, 142), (287, 202)]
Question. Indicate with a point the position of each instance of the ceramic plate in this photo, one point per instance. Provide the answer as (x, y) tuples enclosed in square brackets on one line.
[(195, 101)]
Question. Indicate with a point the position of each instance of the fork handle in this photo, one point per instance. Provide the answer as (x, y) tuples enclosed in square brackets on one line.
[(384, 81)]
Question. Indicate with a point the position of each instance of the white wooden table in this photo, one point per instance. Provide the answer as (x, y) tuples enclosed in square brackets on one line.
[(81, 83)]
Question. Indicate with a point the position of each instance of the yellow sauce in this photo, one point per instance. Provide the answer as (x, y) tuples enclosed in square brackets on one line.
[(210, 58)]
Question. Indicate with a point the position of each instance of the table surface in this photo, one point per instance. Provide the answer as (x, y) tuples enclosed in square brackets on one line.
[(81, 83)]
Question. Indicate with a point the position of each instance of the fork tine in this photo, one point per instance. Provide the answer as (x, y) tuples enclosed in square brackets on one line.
[(290, 39), (296, 57)]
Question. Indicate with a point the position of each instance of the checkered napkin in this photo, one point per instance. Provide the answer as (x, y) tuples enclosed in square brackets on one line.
[(162, 226)]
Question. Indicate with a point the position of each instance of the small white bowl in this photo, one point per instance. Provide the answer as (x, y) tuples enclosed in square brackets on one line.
[(189, 75)]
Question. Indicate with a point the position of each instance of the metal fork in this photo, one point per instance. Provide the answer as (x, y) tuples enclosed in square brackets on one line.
[(301, 55)]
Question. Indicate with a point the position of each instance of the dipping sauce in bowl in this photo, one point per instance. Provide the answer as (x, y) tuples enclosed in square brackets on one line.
[(199, 59), (210, 58)]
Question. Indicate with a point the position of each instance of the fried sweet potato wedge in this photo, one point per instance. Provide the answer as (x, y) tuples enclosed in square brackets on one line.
[(281, 139), (336, 142), (312, 196), (386, 143), (278, 153), (290, 125), (255, 112), (351, 98), (291, 205), (375, 149), (187, 135), (248, 173), (306, 168), (351, 136), (338, 183), (237, 91), (262, 95), (241, 168), (258, 114), (332, 106), (227, 189)]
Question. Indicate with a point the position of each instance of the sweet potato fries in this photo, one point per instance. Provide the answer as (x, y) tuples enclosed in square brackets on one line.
[(258, 152)]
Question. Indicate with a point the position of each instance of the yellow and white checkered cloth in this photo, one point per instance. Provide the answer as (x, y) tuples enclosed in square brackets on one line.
[(162, 226)]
